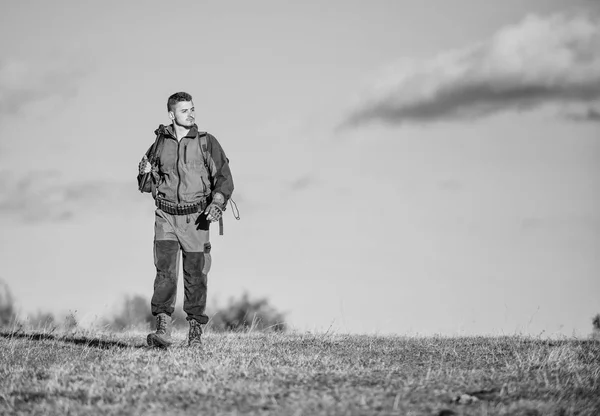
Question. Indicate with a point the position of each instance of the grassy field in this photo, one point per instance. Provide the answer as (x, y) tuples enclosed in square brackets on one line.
[(298, 374)]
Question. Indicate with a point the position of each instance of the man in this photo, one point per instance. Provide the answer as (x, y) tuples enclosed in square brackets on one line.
[(191, 183)]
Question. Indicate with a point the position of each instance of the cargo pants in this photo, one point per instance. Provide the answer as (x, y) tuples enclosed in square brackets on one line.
[(190, 234)]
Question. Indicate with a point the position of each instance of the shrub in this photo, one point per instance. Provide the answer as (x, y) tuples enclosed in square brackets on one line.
[(135, 312), (41, 320), (245, 313), (240, 314), (7, 305)]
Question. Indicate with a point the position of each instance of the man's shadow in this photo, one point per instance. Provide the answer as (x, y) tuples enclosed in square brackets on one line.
[(88, 342)]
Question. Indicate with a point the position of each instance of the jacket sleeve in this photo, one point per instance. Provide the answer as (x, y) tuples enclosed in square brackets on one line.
[(148, 184), (222, 180)]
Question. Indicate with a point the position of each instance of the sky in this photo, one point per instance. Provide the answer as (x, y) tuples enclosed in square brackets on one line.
[(400, 167)]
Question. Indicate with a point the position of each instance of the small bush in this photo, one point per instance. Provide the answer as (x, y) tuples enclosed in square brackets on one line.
[(41, 320), (241, 314), (7, 305), (247, 314), (135, 312)]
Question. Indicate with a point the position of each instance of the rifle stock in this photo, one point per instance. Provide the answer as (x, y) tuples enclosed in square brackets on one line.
[(151, 158)]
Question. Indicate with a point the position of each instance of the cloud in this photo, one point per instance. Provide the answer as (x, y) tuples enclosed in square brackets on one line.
[(540, 61), (23, 82), (450, 185), (589, 224), (302, 183), (590, 114), (43, 196)]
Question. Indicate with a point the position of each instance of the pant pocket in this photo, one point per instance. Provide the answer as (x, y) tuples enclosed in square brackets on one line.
[(207, 259)]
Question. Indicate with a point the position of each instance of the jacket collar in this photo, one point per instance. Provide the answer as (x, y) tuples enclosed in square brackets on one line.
[(192, 134)]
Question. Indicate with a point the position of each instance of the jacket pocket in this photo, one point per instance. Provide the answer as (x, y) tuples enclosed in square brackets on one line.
[(204, 187)]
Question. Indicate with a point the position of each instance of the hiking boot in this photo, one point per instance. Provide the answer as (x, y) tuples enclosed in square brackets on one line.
[(194, 334), (162, 337)]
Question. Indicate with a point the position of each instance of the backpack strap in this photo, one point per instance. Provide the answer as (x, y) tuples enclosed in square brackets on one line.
[(203, 143)]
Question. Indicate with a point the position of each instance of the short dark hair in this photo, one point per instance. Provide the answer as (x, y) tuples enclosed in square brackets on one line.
[(177, 97)]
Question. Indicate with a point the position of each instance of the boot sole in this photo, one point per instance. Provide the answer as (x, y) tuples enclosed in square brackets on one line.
[(154, 340)]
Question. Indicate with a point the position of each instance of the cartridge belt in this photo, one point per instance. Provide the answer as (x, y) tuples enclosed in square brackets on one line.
[(180, 209)]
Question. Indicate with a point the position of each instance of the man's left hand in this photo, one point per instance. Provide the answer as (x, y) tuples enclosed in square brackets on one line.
[(214, 211)]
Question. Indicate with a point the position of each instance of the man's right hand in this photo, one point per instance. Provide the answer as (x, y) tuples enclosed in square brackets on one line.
[(144, 166)]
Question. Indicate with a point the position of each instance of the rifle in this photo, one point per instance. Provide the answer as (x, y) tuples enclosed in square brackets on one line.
[(152, 157)]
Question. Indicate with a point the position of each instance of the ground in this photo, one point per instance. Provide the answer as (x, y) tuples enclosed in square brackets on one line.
[(298, 374)]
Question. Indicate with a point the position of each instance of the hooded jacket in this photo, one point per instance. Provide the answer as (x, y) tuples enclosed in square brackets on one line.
[(183, 177)]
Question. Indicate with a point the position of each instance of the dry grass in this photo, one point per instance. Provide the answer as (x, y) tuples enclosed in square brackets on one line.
[(298, 374)]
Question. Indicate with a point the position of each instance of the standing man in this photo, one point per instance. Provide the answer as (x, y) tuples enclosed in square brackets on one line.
[(188, 175)]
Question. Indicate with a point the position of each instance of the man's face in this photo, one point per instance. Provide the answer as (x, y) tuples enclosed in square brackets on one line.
[(184, 114)]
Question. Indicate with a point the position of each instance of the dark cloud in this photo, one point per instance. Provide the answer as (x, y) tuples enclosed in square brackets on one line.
[(43, 196), (588, 114), (593, 115), (554, 60)]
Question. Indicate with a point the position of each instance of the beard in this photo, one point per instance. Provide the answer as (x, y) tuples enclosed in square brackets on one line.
[(184, 123)]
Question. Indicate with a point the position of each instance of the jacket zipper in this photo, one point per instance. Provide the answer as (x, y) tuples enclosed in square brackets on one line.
[(178, 172)]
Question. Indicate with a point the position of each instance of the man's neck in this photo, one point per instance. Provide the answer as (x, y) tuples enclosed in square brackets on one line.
[(180, 131)]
